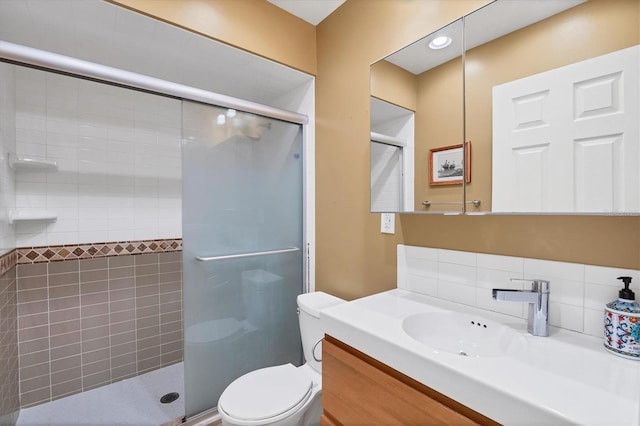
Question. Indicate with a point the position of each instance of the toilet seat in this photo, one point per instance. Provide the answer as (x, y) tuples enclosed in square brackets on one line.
[(274, 392)]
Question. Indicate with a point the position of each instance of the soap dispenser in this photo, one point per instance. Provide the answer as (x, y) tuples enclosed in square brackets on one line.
[(622, 323)]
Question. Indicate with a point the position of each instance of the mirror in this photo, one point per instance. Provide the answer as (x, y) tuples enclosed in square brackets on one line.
[(551, 120), (416, 107), (392, 176), (552, 107)]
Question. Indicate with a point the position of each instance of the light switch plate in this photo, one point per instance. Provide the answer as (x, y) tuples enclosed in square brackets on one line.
[(388, 223)]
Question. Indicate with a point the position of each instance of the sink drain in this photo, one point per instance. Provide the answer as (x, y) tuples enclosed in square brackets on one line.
[(463, 353), (170, 397)]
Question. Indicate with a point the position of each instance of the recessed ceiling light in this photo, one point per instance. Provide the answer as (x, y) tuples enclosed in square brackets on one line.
[(440, 42)]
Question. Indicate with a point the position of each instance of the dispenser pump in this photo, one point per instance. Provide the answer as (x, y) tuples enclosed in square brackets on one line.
[(626, 293), (622, 324)]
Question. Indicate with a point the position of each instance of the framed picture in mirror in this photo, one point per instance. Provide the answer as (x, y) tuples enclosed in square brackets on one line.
[(448, 165)]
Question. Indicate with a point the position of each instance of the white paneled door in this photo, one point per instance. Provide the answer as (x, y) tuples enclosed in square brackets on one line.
[(566, 140)]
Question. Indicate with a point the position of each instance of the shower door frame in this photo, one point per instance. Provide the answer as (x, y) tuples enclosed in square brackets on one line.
[(243, 258), (53, 62)]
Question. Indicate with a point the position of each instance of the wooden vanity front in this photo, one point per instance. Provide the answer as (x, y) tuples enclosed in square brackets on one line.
[(357, 389)]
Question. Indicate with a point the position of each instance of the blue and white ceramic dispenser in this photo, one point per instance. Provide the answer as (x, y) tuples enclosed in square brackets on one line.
[(622, 323)]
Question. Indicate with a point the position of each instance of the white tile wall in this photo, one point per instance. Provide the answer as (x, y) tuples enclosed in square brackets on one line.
[(119, 158), (386, 177), (578, 292), (7, 148)]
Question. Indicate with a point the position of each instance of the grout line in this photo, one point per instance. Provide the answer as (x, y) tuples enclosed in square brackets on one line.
[(135, 306), (170, 322), (64, 395), (33, 378), (49, 323), (96, 372), (109, 273)]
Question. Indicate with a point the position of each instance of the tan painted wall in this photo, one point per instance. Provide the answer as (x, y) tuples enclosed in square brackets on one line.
[(256, 26), (393, 84), (439, 124), (353, 258)]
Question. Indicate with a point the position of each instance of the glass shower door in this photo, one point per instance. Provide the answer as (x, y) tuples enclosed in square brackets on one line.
[(242, 247)]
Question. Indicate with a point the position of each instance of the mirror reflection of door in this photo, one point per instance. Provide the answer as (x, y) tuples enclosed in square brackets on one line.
[(566, 140), (553, 118)]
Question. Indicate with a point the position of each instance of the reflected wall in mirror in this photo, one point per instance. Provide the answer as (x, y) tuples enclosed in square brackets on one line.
[(552, 108), (427, 84), (392, 153)]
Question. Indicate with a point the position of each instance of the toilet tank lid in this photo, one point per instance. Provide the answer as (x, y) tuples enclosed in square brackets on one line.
[(313, 303)]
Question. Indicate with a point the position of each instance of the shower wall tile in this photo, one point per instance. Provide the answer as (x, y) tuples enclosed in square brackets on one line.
[(7, 149), (119, 164), (28, 255), (9, 371), (86, 323), (9, 385)]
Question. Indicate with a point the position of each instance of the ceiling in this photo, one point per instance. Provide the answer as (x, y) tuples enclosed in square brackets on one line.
[(485, 24), (312, 11), (103, 33), (100, 32)]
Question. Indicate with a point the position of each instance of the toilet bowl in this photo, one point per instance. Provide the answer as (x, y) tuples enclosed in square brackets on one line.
[(283, 394)]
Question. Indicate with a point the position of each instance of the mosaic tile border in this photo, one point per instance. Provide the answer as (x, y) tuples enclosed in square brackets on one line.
[(93, 250), (8, 261)]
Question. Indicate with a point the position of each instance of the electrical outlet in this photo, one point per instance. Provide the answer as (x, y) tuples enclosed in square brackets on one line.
[(388, 223)]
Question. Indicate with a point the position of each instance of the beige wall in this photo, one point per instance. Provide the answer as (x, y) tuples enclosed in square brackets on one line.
[(353, 258), (256, 26), (393, 84), (439, 124)]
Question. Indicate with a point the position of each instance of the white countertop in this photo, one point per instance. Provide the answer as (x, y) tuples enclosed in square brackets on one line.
[(566, 378)]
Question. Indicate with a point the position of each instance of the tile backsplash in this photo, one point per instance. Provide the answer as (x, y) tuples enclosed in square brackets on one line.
[(84, 323), (578, 292)]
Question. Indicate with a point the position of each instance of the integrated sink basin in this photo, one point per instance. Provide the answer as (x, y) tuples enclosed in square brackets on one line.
[(508, 375), (463, 334)]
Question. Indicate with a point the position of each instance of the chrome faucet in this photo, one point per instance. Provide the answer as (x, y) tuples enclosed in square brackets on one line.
[(538, 300)]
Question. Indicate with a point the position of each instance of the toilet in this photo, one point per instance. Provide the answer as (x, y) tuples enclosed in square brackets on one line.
[(284, 394)]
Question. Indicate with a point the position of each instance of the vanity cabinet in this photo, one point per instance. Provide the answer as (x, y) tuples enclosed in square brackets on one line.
[(357, 389)]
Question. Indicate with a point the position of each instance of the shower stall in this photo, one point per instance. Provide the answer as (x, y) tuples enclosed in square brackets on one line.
[(154, 228)]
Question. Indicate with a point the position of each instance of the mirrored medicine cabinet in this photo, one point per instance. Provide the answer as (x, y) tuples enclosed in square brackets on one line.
[(545, 96)]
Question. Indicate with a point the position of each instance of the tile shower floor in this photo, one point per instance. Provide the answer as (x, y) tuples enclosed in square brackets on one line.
[(134, 401)]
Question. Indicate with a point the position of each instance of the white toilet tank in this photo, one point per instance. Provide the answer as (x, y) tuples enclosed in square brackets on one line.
[(309, 305)]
